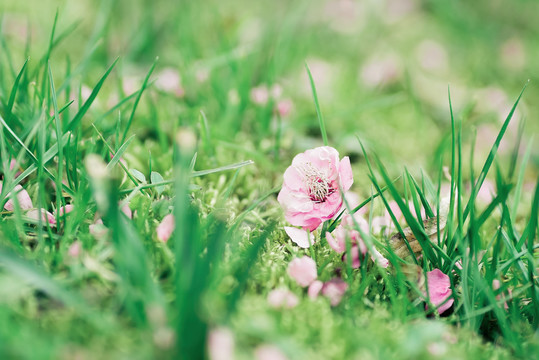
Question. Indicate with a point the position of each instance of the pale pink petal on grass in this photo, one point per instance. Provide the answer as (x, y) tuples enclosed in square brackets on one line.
[(315, 288), (439, 290), (66, 209), (221, 344), (378, 258), (45, 216), (299, 236), (23, 199), (302, 270), (165, 228)]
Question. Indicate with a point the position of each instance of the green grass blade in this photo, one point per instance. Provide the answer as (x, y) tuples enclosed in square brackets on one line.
[(317, 105), (72, 125)]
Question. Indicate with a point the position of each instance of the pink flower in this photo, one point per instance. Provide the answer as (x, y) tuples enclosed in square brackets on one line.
[(282, 298), (302, 238), (315, 288), (310, 192), (22, 197), (165, 228), (302, 270), (98, 229), (334, 290), (439, 288)]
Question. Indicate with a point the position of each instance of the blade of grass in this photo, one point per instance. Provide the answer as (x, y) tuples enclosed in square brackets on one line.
[(317, 105)]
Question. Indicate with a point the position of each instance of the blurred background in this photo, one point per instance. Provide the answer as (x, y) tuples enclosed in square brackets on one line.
[(382, 68)]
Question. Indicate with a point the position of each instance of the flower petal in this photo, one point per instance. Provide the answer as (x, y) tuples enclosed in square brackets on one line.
[(302, 270), (300, 236)]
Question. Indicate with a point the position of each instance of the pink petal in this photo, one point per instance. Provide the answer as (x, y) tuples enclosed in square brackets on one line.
[(66, 209), (302, 270), (165, 228), (299, 236), (45, 216), (221, 344), (439, 288), (315, 288), (75, 249), (345, 173), (338, 246), (23, 199), (334, 290), (127, 211)]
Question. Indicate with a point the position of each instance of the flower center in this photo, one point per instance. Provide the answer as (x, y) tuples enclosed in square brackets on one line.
[(317, 183)]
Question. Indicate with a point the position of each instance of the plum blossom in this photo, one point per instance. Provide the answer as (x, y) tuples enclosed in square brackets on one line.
[(303, 271), (165, 228), (310, 194), (439, 290)]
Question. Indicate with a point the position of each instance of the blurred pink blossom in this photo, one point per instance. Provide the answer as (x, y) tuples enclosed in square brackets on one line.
[(431, 55), (334, 290), (169, 80), (221, 344), (439, 290), (282, 298), (513, 54), (284, 107), (269, 352), (260, 95), (380, 71), (315, 288), (75, 249), (302, 270), (165, 228), (310, 192)]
